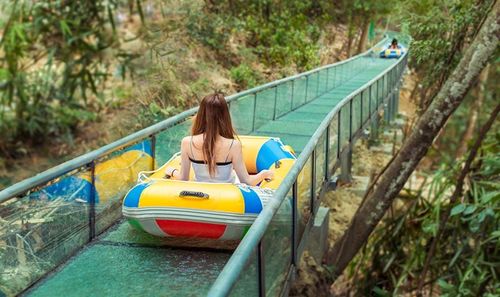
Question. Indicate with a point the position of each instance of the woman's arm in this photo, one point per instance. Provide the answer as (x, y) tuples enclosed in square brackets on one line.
[(241, 170), (183, 173)]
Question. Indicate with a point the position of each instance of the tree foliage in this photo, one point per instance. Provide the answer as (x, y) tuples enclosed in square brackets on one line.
[(52, 61), (440, 31)]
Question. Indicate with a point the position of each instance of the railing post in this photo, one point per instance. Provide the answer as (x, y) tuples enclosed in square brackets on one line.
[(92, 202), (307, 88), (295, 222), (350, 120), (317, 85), (370, 102), (387, 109), (327, 154), (261, 267), (339, 133), (153, 152), (361, 110), (334, 75), (275, 101), (396, 103), (327, 79), (254, 109), (346, 164), (313, 180), (374, 127), (291, 101)]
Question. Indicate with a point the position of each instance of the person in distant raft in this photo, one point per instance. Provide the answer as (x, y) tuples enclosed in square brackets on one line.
[(212, 148), (394, 44)]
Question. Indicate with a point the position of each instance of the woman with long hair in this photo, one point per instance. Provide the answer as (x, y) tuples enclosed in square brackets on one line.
[(212, 148)]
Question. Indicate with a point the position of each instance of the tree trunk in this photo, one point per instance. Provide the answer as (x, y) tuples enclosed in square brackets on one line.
[(476, 106), (364, 35), (392, 179), (350, 35)]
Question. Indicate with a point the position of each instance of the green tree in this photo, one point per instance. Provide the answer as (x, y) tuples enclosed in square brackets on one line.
[(51, 63)]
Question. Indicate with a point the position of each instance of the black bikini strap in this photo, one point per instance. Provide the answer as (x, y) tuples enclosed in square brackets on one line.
[(229, 151)]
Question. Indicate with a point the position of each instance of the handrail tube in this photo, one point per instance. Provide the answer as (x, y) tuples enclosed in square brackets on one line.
[(233, 268), (78, 162)]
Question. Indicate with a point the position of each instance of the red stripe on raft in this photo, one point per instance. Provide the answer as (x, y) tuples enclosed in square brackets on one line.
[(191, 229)]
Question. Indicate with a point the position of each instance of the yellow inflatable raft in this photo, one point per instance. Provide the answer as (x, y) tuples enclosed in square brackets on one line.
[(221, 211)]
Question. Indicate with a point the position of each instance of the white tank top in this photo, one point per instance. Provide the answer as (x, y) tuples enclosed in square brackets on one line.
[(223, 172)]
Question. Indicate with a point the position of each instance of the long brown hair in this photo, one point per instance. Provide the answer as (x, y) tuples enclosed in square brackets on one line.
[(213, 119)]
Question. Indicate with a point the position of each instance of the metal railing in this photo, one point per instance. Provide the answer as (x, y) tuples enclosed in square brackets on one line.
[(247, 269), (250, 110)]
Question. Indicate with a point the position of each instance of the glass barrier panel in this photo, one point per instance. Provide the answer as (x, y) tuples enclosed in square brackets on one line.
[(247, 283), (299, 92), (345, 115), (40, 230), (115, 175), (320, 163), (264, 111), (354, 67), (356, 113), (284, 100), (304, 197), (373, 98), (333, 142), (168, 142), (332, 71), (316, 90), (340, 74), (311, 87), (366, 104), (242, 113), (277, 245), (323, 81)]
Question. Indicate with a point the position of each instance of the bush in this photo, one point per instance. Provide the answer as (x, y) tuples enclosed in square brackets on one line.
[(245, 77)]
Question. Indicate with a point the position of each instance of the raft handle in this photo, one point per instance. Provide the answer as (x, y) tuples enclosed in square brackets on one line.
[(277, 164), (194, 194)]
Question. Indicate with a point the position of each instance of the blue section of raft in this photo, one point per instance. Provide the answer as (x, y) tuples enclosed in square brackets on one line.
[(252, 200), (132, 197), (270, 152)]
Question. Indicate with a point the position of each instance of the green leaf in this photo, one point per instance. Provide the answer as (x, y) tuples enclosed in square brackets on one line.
[(445, 285), (65, 29), (470, 209), (488, 196), (457, 209), (381, 292), (481, 216)]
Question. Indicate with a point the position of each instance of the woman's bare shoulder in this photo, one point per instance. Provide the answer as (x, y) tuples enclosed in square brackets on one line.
[(185, 141), (236, 143)]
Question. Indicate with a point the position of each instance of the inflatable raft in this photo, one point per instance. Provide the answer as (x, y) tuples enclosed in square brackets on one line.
[(392, 53), (172, 208)]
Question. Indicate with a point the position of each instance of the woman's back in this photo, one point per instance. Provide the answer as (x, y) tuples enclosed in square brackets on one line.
[(224, 167)]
